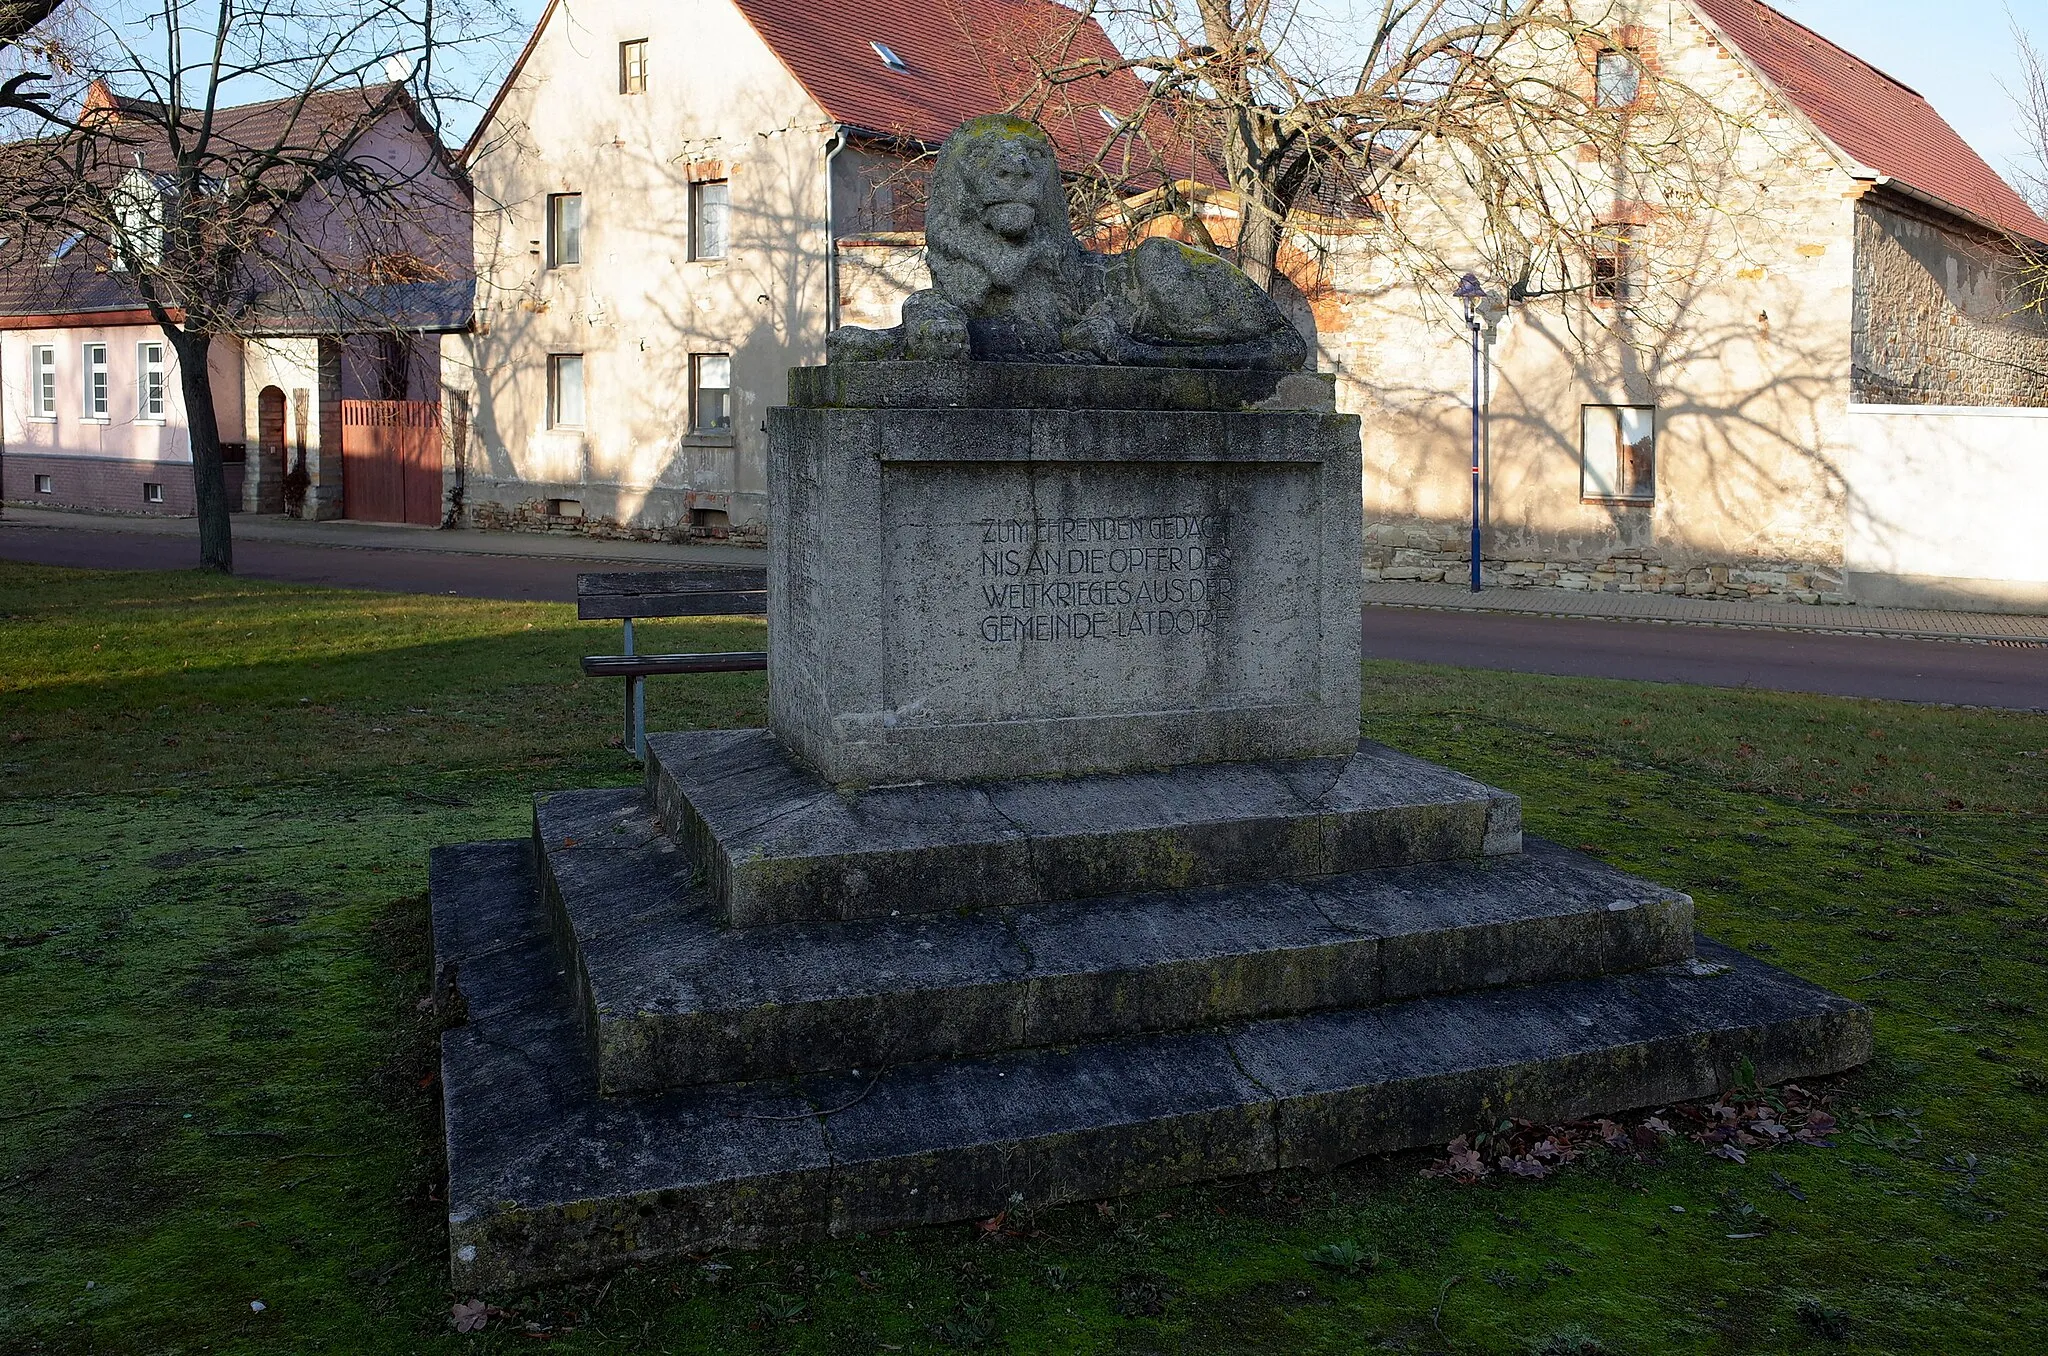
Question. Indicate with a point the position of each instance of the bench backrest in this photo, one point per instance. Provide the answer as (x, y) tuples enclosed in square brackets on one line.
[(705, 591)]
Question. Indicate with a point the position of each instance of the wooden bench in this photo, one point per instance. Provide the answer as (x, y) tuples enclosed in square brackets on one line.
[(637, 595)]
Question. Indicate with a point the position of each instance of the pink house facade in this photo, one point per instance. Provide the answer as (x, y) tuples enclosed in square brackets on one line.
[(92, 412)]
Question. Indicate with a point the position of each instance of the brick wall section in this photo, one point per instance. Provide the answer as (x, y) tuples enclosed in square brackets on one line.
[(1936, 322), (103, 484)]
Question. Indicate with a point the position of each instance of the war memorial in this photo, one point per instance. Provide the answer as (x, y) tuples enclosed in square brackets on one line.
[(1062, 871)]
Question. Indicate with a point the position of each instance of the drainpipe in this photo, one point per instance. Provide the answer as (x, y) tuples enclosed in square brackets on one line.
[(832, 150)]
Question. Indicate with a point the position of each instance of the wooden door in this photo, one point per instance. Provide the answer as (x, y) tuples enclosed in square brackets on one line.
[(391, 461)]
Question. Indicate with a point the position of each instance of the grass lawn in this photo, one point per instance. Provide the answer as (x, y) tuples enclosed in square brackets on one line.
[(217, 1079)]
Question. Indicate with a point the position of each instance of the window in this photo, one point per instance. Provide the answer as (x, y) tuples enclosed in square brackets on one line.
[(1617, 264), (565, 390), (633, 66), (66, 245), (152, 492), (149, 382), (138, 207), (1617, 79), (46, 484), (42, 382), (710, 217), (711, 393), (889, 57), (1618, 453), (565, 229), (93, 389)]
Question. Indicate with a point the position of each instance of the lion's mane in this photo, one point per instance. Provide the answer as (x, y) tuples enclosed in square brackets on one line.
[(1034, 283)]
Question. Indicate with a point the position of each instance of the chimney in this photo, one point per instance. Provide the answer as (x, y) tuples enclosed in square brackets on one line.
[(101, 105)]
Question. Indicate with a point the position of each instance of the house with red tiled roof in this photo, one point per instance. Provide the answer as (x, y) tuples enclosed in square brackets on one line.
[(92, 408), (1819, 380), (675, 203)]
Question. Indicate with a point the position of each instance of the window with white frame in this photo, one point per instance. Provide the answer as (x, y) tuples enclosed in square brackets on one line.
[(42, 381), (149, 382), (711, 393), (565, 229), (710, 218), (152, 492), (565, 390), (1618, 453), (93, 382), (138, 237)]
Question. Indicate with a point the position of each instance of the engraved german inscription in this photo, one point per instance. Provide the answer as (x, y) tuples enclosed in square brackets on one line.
[(1110, 578)]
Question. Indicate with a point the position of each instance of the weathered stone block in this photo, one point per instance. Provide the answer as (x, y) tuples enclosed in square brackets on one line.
[(669, 998), (548, 1180), (1031, 590), (778, 844)]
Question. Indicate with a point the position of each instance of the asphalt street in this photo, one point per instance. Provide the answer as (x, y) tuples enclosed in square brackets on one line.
[(2002, 675)]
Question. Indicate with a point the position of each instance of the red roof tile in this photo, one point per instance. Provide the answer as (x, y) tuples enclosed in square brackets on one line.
[(966, 58), (1880, 122)]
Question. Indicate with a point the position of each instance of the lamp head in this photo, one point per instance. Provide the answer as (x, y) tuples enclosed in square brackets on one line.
[(1469, 289)]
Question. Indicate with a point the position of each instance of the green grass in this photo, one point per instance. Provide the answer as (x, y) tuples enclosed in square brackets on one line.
[(216, 1080)]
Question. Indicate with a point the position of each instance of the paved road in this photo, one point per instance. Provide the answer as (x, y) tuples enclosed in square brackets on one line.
[(1718, 656), (2011, 675), (520, 578)]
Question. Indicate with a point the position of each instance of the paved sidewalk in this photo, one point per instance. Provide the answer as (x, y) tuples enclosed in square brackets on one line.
[(394, 537), (1909, 623)]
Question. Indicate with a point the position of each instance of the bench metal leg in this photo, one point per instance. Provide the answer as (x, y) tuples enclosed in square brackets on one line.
[(636, 707), (639, 735)]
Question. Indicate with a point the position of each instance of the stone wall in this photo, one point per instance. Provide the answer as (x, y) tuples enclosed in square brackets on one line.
[(1937, 319), (496, 509), (1416, 555)]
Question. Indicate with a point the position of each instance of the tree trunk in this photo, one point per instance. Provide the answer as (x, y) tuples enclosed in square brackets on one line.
[(209, 474), (1258, 243)]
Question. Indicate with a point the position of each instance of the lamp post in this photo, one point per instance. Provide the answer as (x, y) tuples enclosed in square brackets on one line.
[(1470, 292)]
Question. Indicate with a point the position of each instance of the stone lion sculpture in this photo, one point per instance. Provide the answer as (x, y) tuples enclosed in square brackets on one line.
[(1011, 283)]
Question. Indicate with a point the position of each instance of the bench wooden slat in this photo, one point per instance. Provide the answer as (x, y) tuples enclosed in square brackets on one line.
[(654, 665), (632, 582), (694, 603)]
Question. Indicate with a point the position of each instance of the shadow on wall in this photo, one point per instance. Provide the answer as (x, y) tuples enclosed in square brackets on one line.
[(1747, 387), (643, 315)]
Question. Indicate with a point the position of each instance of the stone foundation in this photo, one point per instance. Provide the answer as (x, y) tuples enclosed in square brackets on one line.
[(1628, 571), (540, 515)]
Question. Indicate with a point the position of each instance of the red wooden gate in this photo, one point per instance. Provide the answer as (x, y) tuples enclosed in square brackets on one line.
[(391, 461)]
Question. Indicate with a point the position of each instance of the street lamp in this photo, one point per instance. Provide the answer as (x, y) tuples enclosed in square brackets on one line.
[(1470, 292)]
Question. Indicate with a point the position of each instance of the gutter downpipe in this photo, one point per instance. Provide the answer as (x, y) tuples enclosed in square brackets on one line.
[(832, 150)]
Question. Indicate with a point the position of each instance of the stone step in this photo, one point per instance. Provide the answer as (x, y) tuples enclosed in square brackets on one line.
[(670, 998), (780, 845), (548, 1180)]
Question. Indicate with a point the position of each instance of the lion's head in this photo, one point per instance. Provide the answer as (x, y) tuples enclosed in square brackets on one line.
[(1000, 244)]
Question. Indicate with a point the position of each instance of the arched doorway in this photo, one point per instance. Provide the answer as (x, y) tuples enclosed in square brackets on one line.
[(270, 451)]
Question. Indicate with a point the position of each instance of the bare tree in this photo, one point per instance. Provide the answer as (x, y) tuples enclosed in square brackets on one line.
[(1550, 118), (231, 165), (2031, 99)]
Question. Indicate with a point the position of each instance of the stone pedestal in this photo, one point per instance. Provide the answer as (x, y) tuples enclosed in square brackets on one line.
[(1061, 874), (1021, 570)]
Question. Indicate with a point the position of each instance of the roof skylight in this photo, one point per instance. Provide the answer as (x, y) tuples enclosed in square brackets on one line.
[(1116, 124), (69, 243), (889, 57)]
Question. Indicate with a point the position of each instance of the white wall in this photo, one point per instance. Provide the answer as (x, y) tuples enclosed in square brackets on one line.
[(1946, 506)]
